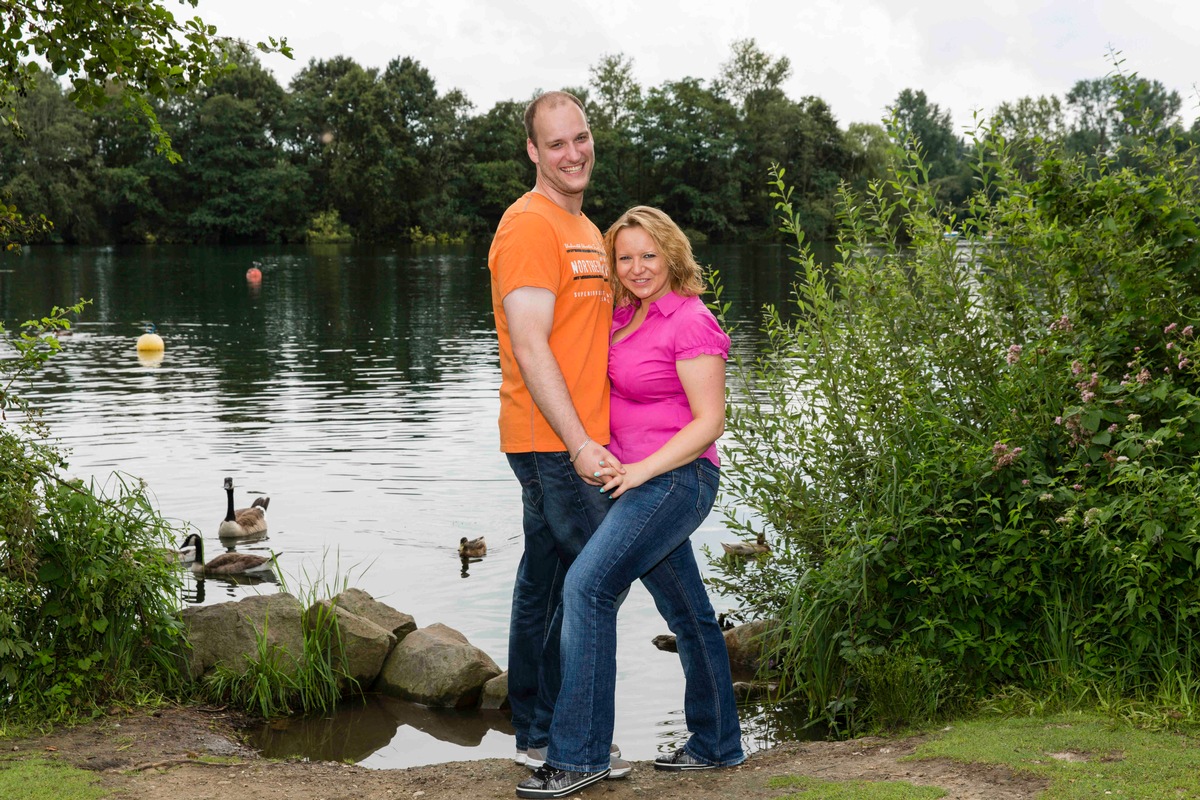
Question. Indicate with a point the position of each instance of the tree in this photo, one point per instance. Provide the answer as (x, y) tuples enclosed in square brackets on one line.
[(133, 49), (750, 72), (615, 109), (52, 170), (689, 145), (919, 122), (1104, 111)]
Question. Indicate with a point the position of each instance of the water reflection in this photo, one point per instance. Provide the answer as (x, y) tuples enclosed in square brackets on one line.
[(360, 728)]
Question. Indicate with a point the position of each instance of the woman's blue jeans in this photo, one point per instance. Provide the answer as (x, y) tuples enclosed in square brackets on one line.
[(645, 535), (560, 513)]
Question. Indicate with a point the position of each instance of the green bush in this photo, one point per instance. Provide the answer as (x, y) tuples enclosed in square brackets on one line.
[(88, 599), (982, 448)]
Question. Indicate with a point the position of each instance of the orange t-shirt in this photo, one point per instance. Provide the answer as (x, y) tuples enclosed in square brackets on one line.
[(540, 245)]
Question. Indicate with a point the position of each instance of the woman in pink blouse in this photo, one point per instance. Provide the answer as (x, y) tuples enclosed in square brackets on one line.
[(667, 367)]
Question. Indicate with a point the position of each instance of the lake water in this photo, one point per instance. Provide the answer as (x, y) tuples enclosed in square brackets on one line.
[(356, 387)]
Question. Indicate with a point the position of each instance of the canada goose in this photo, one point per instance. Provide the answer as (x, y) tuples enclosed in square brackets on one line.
[(186, 553), (748, 548), (472, 548), (226, 563), (245, 523)]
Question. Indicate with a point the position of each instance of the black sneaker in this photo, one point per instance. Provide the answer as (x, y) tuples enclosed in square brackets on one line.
[(547, 781), (681, 760)]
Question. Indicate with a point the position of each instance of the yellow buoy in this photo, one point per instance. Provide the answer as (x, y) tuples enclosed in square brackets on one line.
[(150, 342)]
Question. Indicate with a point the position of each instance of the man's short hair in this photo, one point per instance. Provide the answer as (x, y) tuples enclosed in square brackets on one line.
[(548, 100)]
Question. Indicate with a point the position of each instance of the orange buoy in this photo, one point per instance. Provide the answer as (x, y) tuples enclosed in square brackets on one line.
[(254, 274)]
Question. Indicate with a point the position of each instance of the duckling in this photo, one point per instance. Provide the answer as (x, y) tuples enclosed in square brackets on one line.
[(226, 563), (746, 548), (472, 548), (245, 523)]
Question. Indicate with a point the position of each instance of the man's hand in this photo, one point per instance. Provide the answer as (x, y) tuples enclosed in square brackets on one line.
[(592, 460)]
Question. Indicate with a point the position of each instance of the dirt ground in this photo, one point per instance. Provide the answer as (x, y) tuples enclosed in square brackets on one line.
[(196, 753)]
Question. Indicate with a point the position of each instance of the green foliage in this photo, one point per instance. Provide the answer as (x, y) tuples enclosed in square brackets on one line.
[(327, 228), (983, 451), (137, 48), (87, 598)]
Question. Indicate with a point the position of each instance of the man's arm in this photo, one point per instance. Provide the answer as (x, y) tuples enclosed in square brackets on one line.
[(530, 313)]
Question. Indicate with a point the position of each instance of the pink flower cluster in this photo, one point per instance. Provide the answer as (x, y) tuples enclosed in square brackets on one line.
[(1014, 354), (1075, 428), (1004, 455), (1087, 389), (1063, 323)]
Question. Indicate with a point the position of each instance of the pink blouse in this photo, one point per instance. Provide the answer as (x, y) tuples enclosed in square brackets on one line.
[(649, 405)]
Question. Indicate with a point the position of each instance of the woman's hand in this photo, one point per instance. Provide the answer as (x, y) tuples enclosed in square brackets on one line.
[(615, 483)]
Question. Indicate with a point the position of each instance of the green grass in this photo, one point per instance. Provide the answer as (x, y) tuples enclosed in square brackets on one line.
[(817, 789), (1116, 759), (37, 779)]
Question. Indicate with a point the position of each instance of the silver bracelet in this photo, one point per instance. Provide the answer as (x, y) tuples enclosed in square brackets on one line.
[(586, 442)]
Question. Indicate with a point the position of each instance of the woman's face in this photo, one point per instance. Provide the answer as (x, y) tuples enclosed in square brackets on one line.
[(640, 267)]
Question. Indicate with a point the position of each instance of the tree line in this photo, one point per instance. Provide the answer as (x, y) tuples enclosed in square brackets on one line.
[(348, 152)]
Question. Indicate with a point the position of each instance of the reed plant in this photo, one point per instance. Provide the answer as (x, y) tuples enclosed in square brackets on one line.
[(979, 451), (275, 683)]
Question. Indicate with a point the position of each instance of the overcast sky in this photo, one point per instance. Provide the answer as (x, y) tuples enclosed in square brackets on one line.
[(855, 54)]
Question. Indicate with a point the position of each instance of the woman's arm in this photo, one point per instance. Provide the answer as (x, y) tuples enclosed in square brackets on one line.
[(703, 379)]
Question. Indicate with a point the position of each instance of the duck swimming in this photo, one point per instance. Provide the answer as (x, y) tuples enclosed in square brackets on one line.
[(472, 548)]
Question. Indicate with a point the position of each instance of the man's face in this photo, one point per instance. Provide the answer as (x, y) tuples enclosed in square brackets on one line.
[(563, 152)]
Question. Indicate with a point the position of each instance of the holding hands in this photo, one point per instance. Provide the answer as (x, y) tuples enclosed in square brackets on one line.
[(617, 479), (591, 459)]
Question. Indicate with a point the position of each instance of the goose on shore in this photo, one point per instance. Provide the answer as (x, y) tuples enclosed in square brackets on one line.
[(748, 548), (226, 563), (244, 523)]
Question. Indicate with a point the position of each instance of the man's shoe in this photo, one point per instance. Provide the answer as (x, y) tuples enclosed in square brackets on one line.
[(536, 756), (618, 767), (680, 761), (547, 781)]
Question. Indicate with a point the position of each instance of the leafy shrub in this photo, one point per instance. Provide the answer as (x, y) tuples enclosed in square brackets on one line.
[(982, 449), (87, 596)]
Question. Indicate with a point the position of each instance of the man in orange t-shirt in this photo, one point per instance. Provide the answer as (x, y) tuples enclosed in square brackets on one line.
[(553, 309)]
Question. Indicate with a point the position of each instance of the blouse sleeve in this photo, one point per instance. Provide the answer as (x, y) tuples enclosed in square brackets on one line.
[(700, 334)]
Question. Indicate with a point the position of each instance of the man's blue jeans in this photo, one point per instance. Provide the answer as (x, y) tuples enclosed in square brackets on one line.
[(560, 514), (645, 535)]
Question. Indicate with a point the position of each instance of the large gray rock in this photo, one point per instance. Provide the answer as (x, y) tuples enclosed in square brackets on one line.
[(495, 693), (228, 633), (358, 602), (359, 646), (438, 667)]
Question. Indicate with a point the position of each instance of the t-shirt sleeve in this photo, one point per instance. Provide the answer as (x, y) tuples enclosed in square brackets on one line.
[(700, 334), (528, 255)]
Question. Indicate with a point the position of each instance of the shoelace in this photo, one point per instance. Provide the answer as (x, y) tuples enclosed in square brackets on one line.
[(545, 772)]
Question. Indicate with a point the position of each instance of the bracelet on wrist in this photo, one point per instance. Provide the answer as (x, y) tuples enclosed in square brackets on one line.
[(586, 442)]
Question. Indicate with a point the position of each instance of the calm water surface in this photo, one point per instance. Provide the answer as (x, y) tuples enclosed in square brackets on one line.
[(358, 389)]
